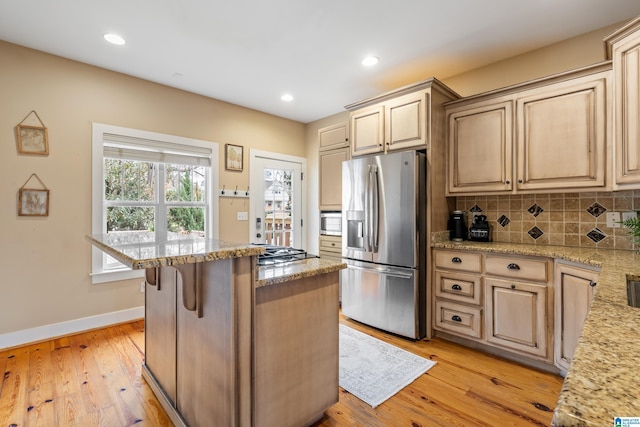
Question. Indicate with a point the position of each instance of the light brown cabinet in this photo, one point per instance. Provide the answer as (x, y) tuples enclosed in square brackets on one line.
[(330, 165), (397, 120), (518, 304), (458, 293), (547, 135), (623, 47), (334, 136), (574, 289)]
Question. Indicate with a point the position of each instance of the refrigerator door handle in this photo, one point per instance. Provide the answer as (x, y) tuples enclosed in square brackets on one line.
[(367, 211), (375, 226), (385, 272)]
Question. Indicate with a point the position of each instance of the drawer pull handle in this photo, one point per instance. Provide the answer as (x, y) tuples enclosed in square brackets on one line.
[(456, 318), (456, 287), (456, 260), (513, 266)]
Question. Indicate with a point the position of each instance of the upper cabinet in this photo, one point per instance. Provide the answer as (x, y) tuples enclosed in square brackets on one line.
[(397, 120), (332, 137), (546, 135), (623, 47), (334, 148)]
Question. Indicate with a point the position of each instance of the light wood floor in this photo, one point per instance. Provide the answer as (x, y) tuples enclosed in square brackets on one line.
[(93, 379)]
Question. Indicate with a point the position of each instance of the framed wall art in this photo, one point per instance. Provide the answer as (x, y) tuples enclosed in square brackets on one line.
[(33, 201), (233, 155), (32, 139)]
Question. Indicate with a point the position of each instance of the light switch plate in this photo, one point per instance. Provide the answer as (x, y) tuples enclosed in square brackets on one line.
[(243, 216), (613, 219)]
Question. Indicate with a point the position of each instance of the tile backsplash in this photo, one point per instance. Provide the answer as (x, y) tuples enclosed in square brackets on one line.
[(567, 219)]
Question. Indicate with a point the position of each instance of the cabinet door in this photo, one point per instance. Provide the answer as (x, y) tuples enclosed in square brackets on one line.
[(516, 315), (331, 178), (367, 130), (406, 125), (480, 149), (160, 330), (562, 134), (626, 63), (574, 290), (332, 137)]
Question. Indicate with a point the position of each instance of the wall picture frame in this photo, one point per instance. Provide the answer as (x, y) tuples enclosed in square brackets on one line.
[(33, 140), (33, 202), (233, 157)]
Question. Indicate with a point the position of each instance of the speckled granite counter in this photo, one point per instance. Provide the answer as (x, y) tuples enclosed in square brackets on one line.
[(140, 250), (271, 275), (601, 383)]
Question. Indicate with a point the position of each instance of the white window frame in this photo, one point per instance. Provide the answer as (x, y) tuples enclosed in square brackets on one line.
[(98, 221)]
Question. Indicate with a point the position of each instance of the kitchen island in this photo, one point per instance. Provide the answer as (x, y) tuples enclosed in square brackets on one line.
[(601, 383), (229, 343)]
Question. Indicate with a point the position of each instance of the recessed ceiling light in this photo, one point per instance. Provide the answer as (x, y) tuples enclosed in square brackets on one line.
[(370, 60), (287, 97), (114, 38)]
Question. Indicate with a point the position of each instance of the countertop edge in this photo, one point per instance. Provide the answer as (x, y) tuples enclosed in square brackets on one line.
[(272, 275)]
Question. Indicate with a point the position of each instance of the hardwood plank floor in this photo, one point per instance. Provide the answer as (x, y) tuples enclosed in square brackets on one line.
[(93, 379)]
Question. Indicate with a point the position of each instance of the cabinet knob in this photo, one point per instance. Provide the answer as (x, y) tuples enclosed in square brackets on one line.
[(592, 283), (520, 181), (513, 286), (333, 244), (507, 182), (456, 260), (456, 318), (456, 287), (513, 266)]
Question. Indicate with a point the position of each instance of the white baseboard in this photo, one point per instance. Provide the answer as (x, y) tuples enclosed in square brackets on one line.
[(46, 332)]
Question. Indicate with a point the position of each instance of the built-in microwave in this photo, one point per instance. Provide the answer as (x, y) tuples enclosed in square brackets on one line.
[(331, 223)]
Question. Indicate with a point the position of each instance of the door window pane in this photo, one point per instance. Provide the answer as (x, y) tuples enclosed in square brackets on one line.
[(278, 214)]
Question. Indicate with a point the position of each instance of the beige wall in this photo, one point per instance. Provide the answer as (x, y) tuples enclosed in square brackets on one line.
[(46, 261)]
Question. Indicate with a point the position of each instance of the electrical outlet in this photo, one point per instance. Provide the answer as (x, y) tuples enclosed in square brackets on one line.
[(613, 219), (243, 216), (629, 215), (142, 286)]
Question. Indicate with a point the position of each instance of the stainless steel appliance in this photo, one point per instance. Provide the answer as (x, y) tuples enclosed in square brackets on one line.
[(331, 223), (282, 254), (384, 242)]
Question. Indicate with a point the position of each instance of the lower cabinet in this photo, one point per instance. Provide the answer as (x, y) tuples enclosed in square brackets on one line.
[(516, 315), (529, 306), (574, 289)]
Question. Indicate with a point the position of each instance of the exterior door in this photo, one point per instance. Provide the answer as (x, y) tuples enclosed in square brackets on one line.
[(277, 205)]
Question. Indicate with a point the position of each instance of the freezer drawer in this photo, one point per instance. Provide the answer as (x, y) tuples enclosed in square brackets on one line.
[(388, 298)]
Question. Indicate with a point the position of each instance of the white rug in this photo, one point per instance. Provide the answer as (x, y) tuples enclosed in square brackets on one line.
[(373, 370)]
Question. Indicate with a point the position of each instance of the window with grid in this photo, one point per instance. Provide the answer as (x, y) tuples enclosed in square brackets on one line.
[(150, 182)]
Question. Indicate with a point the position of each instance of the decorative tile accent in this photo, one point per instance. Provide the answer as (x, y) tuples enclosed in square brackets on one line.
[(596, 210), (596, 235), (535, 209), (475, 208), (503, 220), (535, 232)]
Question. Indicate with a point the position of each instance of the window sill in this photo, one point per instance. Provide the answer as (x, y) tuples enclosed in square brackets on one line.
[(115, 276)]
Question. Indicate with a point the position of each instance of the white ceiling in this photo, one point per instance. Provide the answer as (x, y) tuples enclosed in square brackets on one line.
[(250, 52)]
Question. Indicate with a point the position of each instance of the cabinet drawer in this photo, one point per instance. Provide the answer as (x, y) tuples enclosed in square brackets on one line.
[(459, 319), (517, 268), (329, 244), (458, 286), (458, 260)]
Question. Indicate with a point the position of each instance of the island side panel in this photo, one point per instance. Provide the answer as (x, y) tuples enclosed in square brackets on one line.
[(296, 350)]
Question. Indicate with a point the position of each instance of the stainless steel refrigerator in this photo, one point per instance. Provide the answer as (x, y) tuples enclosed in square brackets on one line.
[(384, 242)]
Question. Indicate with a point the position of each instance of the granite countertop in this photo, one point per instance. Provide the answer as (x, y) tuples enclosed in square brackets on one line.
[(280, 273), (601, 382), (140, 250)]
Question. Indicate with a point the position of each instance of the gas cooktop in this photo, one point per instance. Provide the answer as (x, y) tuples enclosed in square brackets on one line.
[(282, 254)]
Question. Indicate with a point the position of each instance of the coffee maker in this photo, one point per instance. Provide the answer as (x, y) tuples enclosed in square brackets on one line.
[(458, 226)]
